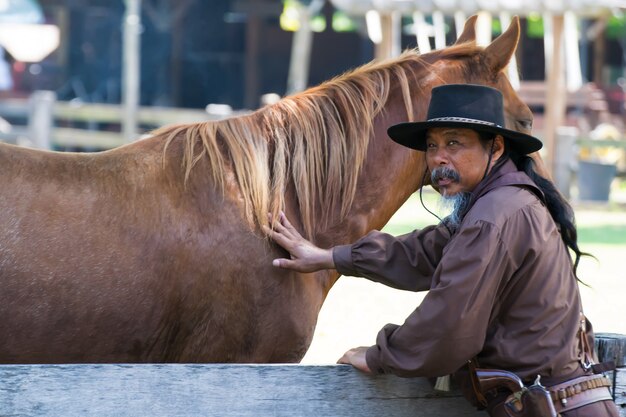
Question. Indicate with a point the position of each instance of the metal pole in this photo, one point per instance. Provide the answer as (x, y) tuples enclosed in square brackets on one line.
[(131, 68)]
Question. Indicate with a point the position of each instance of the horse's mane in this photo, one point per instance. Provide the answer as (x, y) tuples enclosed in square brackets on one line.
[(317, 140)]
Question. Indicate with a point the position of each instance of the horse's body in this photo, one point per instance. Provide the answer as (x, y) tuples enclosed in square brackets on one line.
[(152, 252)]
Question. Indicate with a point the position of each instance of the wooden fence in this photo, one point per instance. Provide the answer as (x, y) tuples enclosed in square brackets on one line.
[(238, 390), (48, 123)]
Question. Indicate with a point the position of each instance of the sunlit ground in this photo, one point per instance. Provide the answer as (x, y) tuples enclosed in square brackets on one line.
[(356, 308)]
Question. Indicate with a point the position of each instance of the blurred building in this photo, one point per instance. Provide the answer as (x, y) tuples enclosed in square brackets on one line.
[(195, 52)]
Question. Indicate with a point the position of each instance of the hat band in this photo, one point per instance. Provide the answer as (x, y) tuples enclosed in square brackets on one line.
[(462, 119)]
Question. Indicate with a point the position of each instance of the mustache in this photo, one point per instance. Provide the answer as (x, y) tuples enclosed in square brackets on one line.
[(441, 173)]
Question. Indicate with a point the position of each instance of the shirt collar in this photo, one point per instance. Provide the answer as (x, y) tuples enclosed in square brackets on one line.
[(505, 175)]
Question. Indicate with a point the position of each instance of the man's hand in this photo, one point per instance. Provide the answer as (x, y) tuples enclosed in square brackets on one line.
[(356, 358), (305, 256)]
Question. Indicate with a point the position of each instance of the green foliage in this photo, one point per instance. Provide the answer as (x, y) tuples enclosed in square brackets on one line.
[(616, 27), (534, 25)]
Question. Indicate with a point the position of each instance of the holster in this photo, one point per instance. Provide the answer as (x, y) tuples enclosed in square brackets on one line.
[(531, 401)]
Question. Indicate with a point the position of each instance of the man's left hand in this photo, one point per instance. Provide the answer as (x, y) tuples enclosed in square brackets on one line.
[(356, 358)]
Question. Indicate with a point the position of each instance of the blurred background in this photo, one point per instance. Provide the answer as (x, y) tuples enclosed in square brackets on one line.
[(90, 75), (94, 74)]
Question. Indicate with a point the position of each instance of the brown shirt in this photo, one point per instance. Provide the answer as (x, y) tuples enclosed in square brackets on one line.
[(502, 288)]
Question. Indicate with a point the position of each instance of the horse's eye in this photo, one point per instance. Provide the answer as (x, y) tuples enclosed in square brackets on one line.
[(526, 124)]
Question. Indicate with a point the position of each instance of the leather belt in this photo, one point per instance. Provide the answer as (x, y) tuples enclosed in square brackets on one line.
[(580, 391)]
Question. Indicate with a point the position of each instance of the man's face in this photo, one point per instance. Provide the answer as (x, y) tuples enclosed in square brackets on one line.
[(456, 158)]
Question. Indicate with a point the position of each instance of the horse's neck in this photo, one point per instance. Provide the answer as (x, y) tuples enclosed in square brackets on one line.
[(390, 175)]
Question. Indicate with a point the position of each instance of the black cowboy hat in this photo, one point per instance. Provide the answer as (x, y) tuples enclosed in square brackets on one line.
[(469, 106)]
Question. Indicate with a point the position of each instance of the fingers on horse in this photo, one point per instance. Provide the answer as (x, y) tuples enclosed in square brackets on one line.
[(270, 232), (283, 218), (287, 230), (286, 263), (278, 237)]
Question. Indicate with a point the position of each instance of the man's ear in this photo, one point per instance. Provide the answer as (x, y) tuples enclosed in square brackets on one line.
[(498, 147)]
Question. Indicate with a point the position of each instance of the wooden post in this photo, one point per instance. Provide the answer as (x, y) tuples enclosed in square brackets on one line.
[(439, 24), (511, 70), (572, 52), (459, 22), (599, 51), (611, 347), (562, 175), (41, 118), (253, 34), (256, 13), (421, 32), (131, 68), (391, 32), (483, 28), (556, 93), (301, 49)]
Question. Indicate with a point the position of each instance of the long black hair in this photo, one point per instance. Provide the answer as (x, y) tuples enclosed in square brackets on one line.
[(561, 211)]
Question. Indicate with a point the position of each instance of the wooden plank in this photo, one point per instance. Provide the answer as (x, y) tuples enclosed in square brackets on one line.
[(218, 390), (80, 138), (88, 112), (225, 390), (555, 104), (14, 107), (588, 97), (112, 113), (238, 390)]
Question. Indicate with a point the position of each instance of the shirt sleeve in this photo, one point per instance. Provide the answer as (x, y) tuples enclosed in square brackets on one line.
[(450, 325), (406, 262)]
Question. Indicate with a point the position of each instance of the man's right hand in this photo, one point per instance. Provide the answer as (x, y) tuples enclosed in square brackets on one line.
[(305, 256)]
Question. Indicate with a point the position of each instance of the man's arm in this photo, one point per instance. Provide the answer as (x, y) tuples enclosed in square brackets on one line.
[(406, 262)]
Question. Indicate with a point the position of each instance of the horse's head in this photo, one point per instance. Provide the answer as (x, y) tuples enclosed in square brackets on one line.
[(463, 62), (497, 56)]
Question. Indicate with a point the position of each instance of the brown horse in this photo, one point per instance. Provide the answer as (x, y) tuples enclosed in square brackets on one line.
[(152, 252)]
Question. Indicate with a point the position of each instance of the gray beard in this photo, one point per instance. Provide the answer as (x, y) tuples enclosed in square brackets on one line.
[(458, 203)]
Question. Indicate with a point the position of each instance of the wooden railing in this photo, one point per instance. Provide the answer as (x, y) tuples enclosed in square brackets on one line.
[(48, 123), (589, 97), (239, 390)]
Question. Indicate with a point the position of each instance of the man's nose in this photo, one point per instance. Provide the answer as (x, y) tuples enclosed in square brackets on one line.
[(439, 157)]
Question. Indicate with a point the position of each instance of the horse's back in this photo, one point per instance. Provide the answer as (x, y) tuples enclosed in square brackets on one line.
[(110, 257), (67, 265)]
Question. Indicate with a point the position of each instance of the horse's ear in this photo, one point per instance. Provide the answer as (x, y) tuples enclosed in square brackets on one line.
[(500, 51), (469, 31)]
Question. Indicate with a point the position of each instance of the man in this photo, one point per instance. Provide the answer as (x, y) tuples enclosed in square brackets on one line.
[(502, 287)]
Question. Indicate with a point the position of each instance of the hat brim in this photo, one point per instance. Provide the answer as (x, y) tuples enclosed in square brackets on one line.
[(413, 134)]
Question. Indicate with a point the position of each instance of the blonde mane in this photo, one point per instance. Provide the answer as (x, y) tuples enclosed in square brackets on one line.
[(316, 140)]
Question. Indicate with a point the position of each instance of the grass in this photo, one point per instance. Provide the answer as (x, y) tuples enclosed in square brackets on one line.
[(605, 234)]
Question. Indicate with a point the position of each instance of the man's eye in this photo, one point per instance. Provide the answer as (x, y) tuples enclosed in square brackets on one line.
[(453, 142)]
